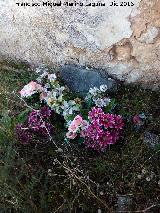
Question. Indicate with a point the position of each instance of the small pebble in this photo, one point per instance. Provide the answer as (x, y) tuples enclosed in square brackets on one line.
[(59, 150), (99, 211), (73, 182), (148, 179), (152, 175), (101, 193), (139, 176), (144, 171)]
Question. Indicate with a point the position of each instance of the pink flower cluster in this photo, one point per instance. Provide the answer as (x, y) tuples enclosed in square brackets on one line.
[(103, 129), (76, 126), (30, 89)]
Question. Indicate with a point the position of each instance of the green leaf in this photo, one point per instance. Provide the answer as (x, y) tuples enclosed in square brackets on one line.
[(23, 116), (89, 103), (6, 120), (110, 106), (84, 113), (80, 140), (70, 117)]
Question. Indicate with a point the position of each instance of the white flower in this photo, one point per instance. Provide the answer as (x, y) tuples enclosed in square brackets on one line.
[(60, 98), (39, 80), (69, 108), (47, 86), (52, 77), (101, 102), (38, 70), (58, 109), (98, 102), (51, 94), (94, 91), (107, 100), (65, 105), (66, 112), (44, 74), (103, 88), (59, 89)]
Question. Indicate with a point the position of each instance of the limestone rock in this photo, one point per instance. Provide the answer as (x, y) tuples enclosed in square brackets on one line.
[(149, 36), (123, 39)]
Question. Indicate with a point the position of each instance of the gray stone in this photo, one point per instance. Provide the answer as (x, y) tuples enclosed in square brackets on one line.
[(123, 203), (151, 139), (80, 79)]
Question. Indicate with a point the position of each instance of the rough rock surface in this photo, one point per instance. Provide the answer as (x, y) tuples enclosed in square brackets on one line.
[(124, 203), (80, 80), (151, 139), (124, 40)]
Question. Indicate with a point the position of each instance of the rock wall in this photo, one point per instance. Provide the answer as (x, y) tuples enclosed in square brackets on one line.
[(123, 40)]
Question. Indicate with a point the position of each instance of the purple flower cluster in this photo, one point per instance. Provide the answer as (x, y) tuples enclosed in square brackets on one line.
[(23, 134), (103, 129), (36, 124)]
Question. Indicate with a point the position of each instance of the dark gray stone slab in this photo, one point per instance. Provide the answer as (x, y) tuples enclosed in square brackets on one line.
[(80, 79)]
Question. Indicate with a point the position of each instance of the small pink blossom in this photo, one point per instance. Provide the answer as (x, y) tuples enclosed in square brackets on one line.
[(78, 120), (118, 122), (75, 124), (43, 95), (95, 113), (83, 134), (72, 127), (136, 119), (84, 124), (30, 89), (71, 135)]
